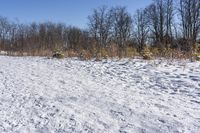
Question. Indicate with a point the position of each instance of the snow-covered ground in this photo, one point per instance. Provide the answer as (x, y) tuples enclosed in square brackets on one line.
[(135, 96)]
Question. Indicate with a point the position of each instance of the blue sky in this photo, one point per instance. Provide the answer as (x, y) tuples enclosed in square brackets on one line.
[(71, 12)]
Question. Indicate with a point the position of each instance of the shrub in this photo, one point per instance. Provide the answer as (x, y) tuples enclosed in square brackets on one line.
[(85, 55), (196, 47), (131, 52), (167, 52), (146, 54), (196, 52), (113, 51), (155, 51), (104, 53), (71, 53), (195, 56), (58, 54), (98, 57)]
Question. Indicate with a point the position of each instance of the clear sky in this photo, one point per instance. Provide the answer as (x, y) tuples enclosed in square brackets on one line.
[(71, 12)]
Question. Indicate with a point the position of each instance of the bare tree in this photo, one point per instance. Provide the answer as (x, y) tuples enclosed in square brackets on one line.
[(122, 27), (74, 38), (100, 24), (141, 28), (5, 27), (169, 5), (161, 20), (190, 20), (153, 24), (42, 36)]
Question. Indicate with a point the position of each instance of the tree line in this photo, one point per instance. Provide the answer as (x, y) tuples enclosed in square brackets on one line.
[(163, 24)]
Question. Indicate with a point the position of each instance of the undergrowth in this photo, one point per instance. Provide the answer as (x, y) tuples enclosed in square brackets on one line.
[(112, 52)]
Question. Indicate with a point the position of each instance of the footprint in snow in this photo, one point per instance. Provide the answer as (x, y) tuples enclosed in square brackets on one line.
[(194, 101), (73, 98), (194, 78), (62, 81)]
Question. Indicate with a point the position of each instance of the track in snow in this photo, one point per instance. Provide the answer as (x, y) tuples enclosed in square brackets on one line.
[(128, 95)]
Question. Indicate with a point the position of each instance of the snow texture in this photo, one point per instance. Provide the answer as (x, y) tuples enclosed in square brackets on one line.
[(129, 95)]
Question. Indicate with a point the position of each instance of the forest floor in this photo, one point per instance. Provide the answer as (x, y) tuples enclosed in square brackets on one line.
[(127, 95)]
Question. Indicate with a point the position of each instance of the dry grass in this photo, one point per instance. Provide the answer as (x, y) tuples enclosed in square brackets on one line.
[(45, 53), (71, 53), (112, 52), (146, 54)]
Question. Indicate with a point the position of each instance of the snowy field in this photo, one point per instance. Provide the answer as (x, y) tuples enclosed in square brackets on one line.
[(135, 96)]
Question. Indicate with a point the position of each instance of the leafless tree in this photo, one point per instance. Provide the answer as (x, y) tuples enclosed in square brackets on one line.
[(153, 20), (5, 27), (169, 5), (122, 27), (100, 24), (190, 20), (74, 38), (141, 28)]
